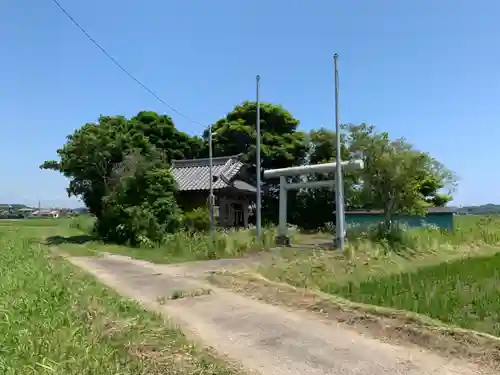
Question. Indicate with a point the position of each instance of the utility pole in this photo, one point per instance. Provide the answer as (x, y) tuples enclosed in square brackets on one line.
[(258, 221), (211, 181), (339, 183)]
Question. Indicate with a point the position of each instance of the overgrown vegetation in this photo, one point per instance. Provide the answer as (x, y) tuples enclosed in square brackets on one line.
[(57, 320), (451, 276), (197, 220), (185, 246), (120, 168), (76, 236), (469, 231), (140, 207)]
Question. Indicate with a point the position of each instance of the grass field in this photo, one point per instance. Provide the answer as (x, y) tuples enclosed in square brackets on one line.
[(453, 277), (54, 319), (73, 236), (39, 222), (437, 290), (465, 292)]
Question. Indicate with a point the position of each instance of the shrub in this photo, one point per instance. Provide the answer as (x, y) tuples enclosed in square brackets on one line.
[(138, 225), (141, 207), (197, 220), (394, 234)]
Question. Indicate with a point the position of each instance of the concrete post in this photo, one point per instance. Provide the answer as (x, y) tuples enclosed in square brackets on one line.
[(282, 239)]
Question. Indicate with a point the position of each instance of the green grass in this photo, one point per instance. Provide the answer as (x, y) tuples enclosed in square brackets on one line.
[(448, 276), (178, 247), (465, 292), (184, 247), (364, 259), (73, 236), (38, 222), (452, 277), (55, 319)]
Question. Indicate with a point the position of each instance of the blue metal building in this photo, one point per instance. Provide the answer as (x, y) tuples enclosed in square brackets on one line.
[(441, 217)]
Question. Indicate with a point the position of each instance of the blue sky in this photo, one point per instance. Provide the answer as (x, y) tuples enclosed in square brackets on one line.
[(426, 70)]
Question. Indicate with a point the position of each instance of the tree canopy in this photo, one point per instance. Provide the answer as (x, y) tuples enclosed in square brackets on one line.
[(396, 178), (91, 152), (121, 168), (94, 153), (282, 145)]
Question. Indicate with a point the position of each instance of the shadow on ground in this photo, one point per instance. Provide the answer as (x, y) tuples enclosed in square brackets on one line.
[(314, 245), (77, 240)]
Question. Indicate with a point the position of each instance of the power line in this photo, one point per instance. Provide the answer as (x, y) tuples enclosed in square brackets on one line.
[(122, 68)]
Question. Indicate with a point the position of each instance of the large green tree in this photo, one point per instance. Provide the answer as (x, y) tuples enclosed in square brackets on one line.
[(162, 133), (282, 144), (88, 157), (121, 169), (91, 153), (396, 177)]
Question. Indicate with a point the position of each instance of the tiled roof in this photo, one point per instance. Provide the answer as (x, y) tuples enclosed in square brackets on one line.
[(194, 174), (242, 185)]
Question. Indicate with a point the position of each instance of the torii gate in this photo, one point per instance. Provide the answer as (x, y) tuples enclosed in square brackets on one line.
[(282, 173)]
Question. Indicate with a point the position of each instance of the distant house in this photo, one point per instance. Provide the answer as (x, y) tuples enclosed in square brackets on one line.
[(46, 213), (26, 211), (233, 193), (14, 211), (441, 217)]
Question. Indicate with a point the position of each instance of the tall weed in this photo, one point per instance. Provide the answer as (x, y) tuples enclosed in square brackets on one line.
[(472, 231)]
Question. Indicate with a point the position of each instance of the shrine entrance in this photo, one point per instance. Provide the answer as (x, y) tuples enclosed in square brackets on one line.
[(282, 238)]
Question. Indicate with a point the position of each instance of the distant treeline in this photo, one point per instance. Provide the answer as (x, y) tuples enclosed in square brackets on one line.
[(485, 209), (14, 206)]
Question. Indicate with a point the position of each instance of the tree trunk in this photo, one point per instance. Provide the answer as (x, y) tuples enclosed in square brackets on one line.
[(389, 206)]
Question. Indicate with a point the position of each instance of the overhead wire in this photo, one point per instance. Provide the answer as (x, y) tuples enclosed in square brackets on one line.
[(120, 66)]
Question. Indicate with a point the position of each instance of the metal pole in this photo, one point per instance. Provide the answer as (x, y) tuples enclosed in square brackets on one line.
[(339, 184), (258, 221), (211, 181)]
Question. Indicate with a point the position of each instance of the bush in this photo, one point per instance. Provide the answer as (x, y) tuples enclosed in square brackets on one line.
[(394, 233), (137, 225), (197, 220), (141, 207)]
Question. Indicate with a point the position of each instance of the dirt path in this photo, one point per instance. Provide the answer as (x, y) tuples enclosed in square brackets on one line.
[(263, 338)]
